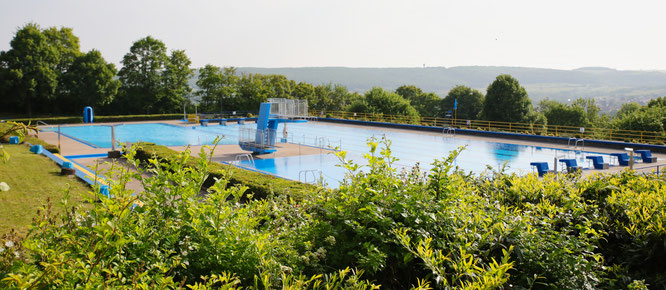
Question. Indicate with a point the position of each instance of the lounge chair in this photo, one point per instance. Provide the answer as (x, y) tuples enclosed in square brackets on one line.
[(542, 168), (622, 158), (571, 165), (598, 162), (646, 155)]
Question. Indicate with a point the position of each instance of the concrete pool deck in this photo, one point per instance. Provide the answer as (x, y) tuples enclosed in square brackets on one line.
[(228, 153)]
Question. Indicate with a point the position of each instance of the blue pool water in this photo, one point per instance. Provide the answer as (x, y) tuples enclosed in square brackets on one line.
[(409, 147), (158, 133)]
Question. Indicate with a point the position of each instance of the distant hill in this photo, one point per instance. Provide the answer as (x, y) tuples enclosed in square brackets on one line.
[(609, 87)]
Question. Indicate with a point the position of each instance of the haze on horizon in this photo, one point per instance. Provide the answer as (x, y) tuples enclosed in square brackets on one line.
[(374, 33)]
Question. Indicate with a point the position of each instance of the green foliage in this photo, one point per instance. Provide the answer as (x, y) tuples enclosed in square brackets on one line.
[(645, 119), (89, 81), (45, 72), (627, 109), (427, 104), (152, 81), (580, 113), (506, 100), (470, 102), (258, 185), (380, 101), (398, 228), (29, 69)]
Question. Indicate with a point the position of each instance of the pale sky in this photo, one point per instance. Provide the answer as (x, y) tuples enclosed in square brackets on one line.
[(358, 33)]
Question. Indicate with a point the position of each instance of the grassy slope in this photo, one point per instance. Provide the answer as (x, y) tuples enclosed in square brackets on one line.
[(33, 179)]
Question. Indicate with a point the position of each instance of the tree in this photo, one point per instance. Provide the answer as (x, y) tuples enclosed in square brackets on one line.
[(380, 101), (562, 114), (470, 102), (648, 119), (141, 76), (627, 109), (427, 104), (29, 70), (408, 92), (658, 102), (176, 77), (218, 88), (89, 81), (506, 100)]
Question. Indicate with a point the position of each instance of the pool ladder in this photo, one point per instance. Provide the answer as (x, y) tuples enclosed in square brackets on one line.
[(576, 141), (304, 174), (449, 131), (239, 158)]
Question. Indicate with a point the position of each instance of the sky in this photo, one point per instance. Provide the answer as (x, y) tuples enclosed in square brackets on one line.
[(627, 35)]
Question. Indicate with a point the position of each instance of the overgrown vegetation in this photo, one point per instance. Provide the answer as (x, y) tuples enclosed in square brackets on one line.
[(398, 229)]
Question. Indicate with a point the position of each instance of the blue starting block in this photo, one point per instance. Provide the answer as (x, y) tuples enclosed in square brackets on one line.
[(598, 162), (542, 168), (571, 165)]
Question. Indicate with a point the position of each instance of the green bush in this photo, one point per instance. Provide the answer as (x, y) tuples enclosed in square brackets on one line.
[(398, 228), (259, 185), (101, 119)]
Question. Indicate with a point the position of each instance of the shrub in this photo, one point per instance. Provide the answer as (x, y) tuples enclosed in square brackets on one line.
[(399, 228), (258, 184)]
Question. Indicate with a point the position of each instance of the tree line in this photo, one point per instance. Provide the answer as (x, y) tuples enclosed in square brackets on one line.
[(45, 73)]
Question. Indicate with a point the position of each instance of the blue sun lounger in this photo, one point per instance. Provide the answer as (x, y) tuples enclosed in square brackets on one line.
[(598, 162), (542, 168), (622, 158), (646, 155), (571, 165)]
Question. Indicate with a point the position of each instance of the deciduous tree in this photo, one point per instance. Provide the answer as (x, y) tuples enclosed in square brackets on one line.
[(506, 100), (470, 102)]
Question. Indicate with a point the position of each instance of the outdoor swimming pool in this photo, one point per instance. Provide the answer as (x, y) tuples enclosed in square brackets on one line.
[(158, 133), (409, 147)]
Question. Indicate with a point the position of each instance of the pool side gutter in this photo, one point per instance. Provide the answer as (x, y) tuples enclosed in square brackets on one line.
[(515, 136)]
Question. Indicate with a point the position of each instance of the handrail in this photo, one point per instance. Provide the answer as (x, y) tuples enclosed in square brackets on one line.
[(513, 127)]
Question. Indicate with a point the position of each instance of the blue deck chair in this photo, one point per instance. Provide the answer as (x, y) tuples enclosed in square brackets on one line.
[(571, 165), (598, 162), (542, 168), (646, 155), (622, 158)]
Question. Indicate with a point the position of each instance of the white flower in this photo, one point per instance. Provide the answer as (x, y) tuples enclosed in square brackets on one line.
[(16, 254), (2, 249), (4, 186), (9, 244)]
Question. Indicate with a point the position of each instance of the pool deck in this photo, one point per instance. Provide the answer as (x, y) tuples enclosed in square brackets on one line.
[(228, 153)]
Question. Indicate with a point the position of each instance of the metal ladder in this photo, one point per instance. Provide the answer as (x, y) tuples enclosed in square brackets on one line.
[(239, 158), (304, 174), (449, 131)]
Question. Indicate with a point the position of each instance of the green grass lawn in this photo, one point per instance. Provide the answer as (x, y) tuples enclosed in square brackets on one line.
[(33, 178)]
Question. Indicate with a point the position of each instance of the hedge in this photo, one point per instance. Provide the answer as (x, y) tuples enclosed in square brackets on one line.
[(101, 119), (259, 185), (28, 139)]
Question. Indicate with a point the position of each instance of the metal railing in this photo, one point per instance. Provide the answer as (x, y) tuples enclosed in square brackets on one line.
[(634, 136)]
